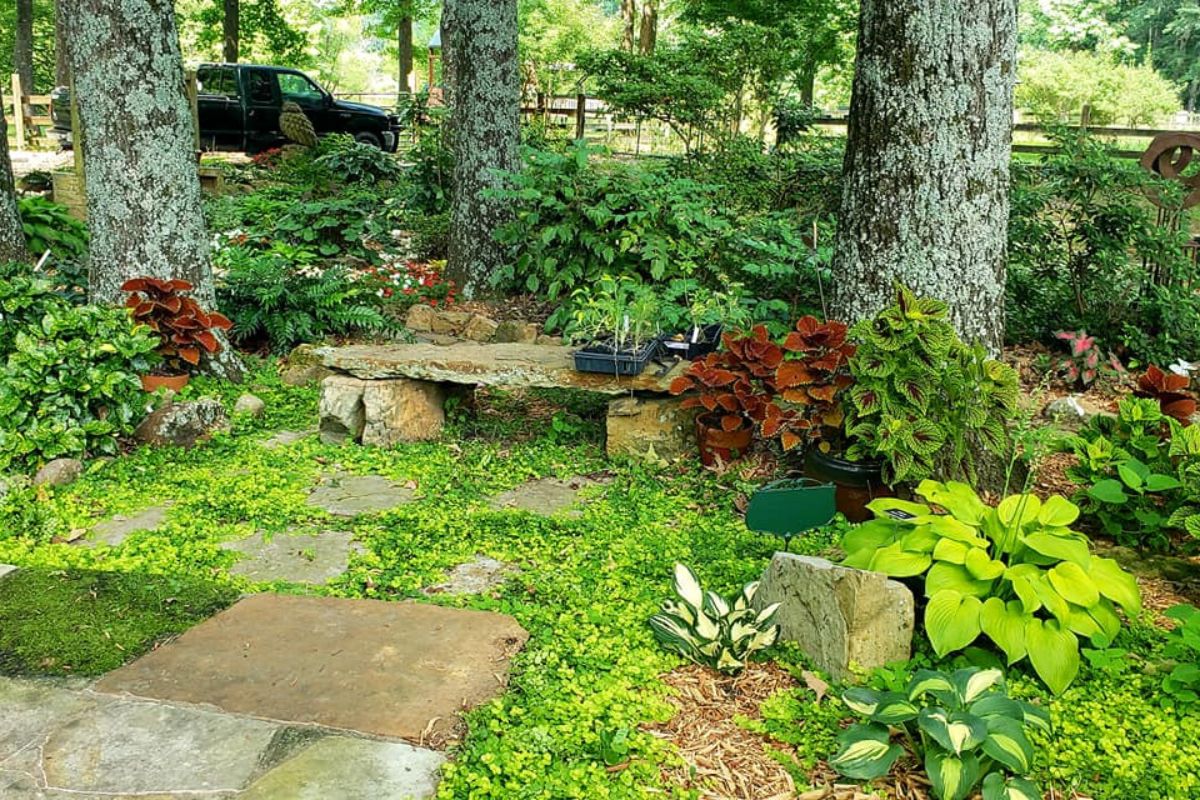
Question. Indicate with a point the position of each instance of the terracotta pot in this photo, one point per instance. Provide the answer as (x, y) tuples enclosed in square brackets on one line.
[(718, 444), (857, 482), (173, 382)]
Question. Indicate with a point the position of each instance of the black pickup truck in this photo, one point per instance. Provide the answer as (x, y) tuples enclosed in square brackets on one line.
[(239, 107)]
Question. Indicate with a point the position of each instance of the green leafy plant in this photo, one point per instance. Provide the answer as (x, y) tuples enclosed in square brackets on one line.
[(1016, 573), (184, 329), (1182, 683), (964, 728), (50, 226), (711, 630), (355, 162), (620, 313), (922, 400)]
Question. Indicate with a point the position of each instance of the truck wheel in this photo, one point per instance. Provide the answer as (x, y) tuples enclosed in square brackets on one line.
[(369, 138)]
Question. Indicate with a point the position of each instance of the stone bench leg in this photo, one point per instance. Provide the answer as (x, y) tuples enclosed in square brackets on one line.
[(655, 428), (382, 412)]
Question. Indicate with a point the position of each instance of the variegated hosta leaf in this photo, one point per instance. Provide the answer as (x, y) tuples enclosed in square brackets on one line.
[(957, 732), (727, 662), (972, 683), (1036, 716), (997, 787), (862, 701), (765, 639), (687, 586), (894, 708), (929, 682), (675, 636), (715, 605), (748, 592), (682, 610), (705, 627), (952, 777), (866, 752), (767, 615), (1007, 744)]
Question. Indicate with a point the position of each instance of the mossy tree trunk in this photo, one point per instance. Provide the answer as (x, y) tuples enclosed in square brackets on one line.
[(486, 133), (404, 45), (23, 46), (12, 237), (925, 195), (143, 192), (231, 24), (62, 68)]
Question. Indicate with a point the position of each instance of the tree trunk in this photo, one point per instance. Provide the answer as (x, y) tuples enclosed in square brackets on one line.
[(23, 45), (808, 84), (12, 236), (143, 192), (925, 195), (486, 134), (649, 36), (628, 23), (62, 65), (405, 46), (232, 24)]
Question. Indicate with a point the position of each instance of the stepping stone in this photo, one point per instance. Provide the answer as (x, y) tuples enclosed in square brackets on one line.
[(343, 768), (351, 495), (29, 710), (6, 569), (403, 670), (474, 577), (294, 557), (137, 748), (285, 438), (546, 496), (118, 529)]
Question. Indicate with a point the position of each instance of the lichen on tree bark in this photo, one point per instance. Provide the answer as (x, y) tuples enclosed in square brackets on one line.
[(925, 194), (12, 237), (143, 193), (486, 134)]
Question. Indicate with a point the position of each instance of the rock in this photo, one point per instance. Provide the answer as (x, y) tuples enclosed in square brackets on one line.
[(304, 367), (341, 410), (554, 341), (449, 322), (839, 616), (1073, 411), (304, 355), (250, 404), (516, 332), (657, 429), (480, 328), (475, 577), (6, 569), (350, 495), (286, 438), (420, 318), (183, 424), (59, 472), (546, 496), (344, 768), (313, 557), (116, 530), (402, 411)]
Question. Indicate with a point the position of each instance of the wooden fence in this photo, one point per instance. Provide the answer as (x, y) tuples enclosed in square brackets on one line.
[(28, 116)]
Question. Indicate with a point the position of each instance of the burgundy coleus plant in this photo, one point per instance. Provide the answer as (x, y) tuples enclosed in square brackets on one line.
[(185, 330), (1171, 392), (736, 383), (1085, 361), (815, 370)]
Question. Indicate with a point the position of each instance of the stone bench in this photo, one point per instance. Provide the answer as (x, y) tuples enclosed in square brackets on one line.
[(385, 394)]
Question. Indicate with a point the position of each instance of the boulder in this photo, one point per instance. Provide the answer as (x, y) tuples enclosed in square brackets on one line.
[(449, 322), (516, 332), (401, 411), (59, 472), (655, 428), (1073, 411), (250, 404), (183, 424), (304, 367), (839, 616), (342, 414), (555, 341), (420, 318), (480, 328)]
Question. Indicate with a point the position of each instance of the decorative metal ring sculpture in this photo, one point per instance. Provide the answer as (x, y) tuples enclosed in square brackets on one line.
[(1168, 156)]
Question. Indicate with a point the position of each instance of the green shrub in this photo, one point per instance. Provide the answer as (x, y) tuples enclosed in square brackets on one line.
[(1055, 87), (962, 726), (355, 162), (1182, 683), (1016, 573), (50, 226), (285, 296)]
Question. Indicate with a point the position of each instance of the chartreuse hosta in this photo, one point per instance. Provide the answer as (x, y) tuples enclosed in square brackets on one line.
[(710, 630), (963, 726), (1016, 572)]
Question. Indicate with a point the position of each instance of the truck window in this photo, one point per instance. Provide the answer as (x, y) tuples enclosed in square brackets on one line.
[(260, 87), (299, 89), (218, 81)]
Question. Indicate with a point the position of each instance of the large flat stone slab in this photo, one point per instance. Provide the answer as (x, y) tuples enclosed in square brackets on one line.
[(545, 496), (30, 710), (138, 748), (344, 768), (472, 363), (313, 558), (351, 495), (401, 670), (480, 575), (838, 615), (116, 530)]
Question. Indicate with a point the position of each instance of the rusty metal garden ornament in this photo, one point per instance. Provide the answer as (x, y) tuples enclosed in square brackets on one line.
[(1169, 156)]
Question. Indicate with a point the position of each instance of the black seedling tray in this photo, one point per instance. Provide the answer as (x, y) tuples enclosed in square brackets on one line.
[(603, 359)]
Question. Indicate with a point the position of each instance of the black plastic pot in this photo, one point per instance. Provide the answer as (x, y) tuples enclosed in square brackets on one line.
[(606, 360), (857, 482), (685, 349)]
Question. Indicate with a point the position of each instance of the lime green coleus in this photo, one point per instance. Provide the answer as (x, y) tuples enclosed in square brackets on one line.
[(1016, 573)]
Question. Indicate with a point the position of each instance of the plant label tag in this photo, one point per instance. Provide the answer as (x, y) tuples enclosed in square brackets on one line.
[(896, 513)]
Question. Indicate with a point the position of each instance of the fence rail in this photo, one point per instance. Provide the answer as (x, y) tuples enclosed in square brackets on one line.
[(28, 114)]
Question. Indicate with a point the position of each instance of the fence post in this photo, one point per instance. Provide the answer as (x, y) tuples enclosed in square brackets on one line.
[(580, 114), (18, 102)]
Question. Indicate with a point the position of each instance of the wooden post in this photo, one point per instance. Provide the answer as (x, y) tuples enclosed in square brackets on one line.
[(18, 101), (193, 96), (580, 114), (432, 60)]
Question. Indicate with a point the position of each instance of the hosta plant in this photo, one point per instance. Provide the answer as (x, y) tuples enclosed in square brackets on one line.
[(963, 727), (711, 630), (1016, 573), (810, 381), (1170, 391), (184, 329), (1085, 361), (923, 401)]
